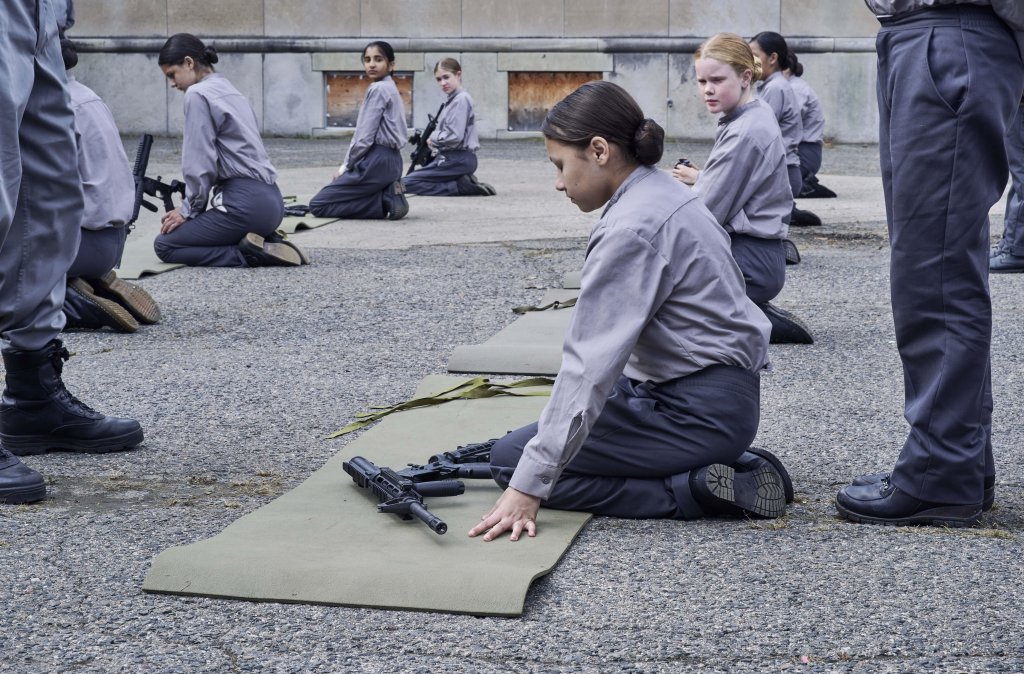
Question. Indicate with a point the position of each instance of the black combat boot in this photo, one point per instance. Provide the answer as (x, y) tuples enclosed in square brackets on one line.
[(37, 413), (18, 482), (83, 308)]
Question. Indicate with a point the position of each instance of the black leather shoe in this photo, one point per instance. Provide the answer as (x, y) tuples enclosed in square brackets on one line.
[(986, 503), (84, 309), (883, 503), (722, 490), (132, 297), (786, 328), (486, 187), (278, 237), (260, 253), (800, 218), (815, 191), (18, 482), (396, 206), (790, 250), (469, 186), (755, 457), (1006, 263)]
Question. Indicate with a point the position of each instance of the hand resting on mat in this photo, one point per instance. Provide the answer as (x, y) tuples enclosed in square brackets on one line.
[(514, 510)]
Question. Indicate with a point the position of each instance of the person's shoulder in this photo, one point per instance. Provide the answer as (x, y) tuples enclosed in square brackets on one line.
[(80, 94), (649, 202)]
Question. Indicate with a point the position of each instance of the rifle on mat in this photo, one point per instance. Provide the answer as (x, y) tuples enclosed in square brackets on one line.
[(149, 186), (401, 492), (421, 154)]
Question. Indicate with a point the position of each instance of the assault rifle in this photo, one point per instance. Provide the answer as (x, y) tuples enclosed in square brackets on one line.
[(149, 186), (401, 492), (421, 154)]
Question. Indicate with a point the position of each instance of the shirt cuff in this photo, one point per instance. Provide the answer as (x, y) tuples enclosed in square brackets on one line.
[(535, 479)]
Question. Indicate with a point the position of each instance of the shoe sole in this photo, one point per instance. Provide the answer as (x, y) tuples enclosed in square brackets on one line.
[(786, 328), (122, 320), (15, 496), (27, 445), (136, 300), (759, 492), (948, 516), (789, 249), (398, 201), (285, 255), (787, 481)]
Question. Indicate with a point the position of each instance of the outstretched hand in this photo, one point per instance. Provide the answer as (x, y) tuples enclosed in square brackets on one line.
[(514, 511)]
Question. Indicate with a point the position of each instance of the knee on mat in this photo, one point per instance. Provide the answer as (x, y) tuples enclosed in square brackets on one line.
[(162, 249)]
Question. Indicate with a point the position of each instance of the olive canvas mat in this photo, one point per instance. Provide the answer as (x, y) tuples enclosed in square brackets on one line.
[(139, 259), (532, 344), (572, 279), (324, 542)]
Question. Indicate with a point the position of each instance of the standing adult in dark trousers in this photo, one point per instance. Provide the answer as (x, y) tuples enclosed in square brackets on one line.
[(232, 206), (950, 78), (1008, 256), (40, 213)]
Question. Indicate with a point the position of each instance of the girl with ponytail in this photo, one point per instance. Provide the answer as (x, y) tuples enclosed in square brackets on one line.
[(657, 399), (745, 183)]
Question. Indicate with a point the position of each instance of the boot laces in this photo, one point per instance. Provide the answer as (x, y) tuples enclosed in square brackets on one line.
[(63, 394)]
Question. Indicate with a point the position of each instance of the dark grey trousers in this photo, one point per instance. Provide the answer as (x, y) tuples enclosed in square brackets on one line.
[(949, 82), (98, 252), (1013, 224), (637, 459), (763, 265), (359, 194), (211, 238), (810, 162), (40, 189), (437, 179)]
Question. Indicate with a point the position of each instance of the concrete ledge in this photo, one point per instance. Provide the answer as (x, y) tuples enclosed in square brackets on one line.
[(545, 62)]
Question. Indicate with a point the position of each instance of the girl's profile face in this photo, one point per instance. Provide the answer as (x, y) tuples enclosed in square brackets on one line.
[(182, 75), (376, 64), (721, 88), (581, 175), (447, 80), (769, 63)]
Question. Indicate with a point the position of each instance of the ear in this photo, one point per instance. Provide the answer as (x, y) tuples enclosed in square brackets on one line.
[(600, 150), (189, 63), (746, 78)]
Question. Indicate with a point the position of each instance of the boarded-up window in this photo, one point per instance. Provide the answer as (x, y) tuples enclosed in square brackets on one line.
[(531, 95), (345, 92)]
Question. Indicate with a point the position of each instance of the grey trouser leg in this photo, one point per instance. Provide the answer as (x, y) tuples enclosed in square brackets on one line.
[(98, 252), (795, 179), (763, 264), (637, 459), (943, 120), (1013, 224), (41, 199), (359, 194), (211, 238), (810, 161), (437, 179)]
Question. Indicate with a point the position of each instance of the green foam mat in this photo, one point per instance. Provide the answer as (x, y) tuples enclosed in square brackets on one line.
[(572, 279), (138, 259), (532, 344), (325, 543), (292, 224)]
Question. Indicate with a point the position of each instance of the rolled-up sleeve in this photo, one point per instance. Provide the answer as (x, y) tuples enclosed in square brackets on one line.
[(198, 155), (625, 280)]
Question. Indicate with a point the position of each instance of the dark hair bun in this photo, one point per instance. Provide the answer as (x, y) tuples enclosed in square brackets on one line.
[(68, 53), (649, 142), (211, 55)]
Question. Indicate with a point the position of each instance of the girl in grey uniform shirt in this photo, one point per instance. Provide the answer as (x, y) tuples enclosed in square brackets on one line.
[(745, 184), (658, 396), (455, 142), (811, 142), (771, 49), (232, 206), (368, 184)]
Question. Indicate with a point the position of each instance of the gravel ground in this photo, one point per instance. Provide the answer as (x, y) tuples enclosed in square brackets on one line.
[(250, 369)]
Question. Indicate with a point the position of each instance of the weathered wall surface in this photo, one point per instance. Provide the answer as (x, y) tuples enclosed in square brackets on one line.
[(276, 51)]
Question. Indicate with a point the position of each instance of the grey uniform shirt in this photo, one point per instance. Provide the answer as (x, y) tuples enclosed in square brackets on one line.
[(811, 116), (107, 182), (381, 121), (456, 129), (221, 141), (776, 92), (745, 184), (661, 297), (1010, 11)]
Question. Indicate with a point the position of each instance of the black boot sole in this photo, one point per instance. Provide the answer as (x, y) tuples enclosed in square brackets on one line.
[(26, 445), (16, 495), (135, 299), (946, 516), (759, 492), (787, 481)]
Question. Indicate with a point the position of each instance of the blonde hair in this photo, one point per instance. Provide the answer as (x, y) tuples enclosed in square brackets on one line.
[(449, 64), (732, 50)]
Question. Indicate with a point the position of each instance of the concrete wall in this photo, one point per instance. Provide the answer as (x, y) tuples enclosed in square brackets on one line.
[(275, 51)]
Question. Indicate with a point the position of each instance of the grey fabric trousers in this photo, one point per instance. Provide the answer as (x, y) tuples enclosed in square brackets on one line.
[(1013, 223), (637, 459), (211, 238), (437, 179), (949, 82), (41, 196), (98, 252), (763, 264), (810, 162), (359, 193)]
